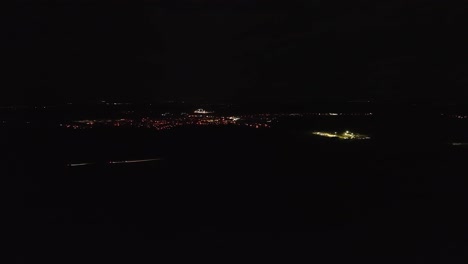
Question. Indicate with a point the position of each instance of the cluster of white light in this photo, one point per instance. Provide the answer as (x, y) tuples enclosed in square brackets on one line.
[(345, 135), (459, 144), (202, 111)]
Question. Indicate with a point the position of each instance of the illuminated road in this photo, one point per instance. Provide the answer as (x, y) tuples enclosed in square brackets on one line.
[(133, 161), (114, 162)]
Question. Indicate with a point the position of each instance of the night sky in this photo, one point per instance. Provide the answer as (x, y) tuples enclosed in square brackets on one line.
[(238, 50)]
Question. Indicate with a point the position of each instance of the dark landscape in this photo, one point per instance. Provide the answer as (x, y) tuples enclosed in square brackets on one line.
[(235, 131), (231, 193)]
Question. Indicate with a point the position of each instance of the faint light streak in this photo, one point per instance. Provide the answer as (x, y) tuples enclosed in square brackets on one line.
[(133, 161), (79, 164)]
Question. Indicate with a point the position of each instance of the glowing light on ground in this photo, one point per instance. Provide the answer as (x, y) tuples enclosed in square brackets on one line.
[(344, 135), (459, 144), (202, 111)]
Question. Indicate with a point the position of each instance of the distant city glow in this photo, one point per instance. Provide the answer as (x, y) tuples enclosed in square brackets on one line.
[(166, 122), (202, 117)]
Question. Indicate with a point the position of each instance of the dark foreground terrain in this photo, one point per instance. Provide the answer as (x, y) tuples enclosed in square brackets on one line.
[(233, 195)]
